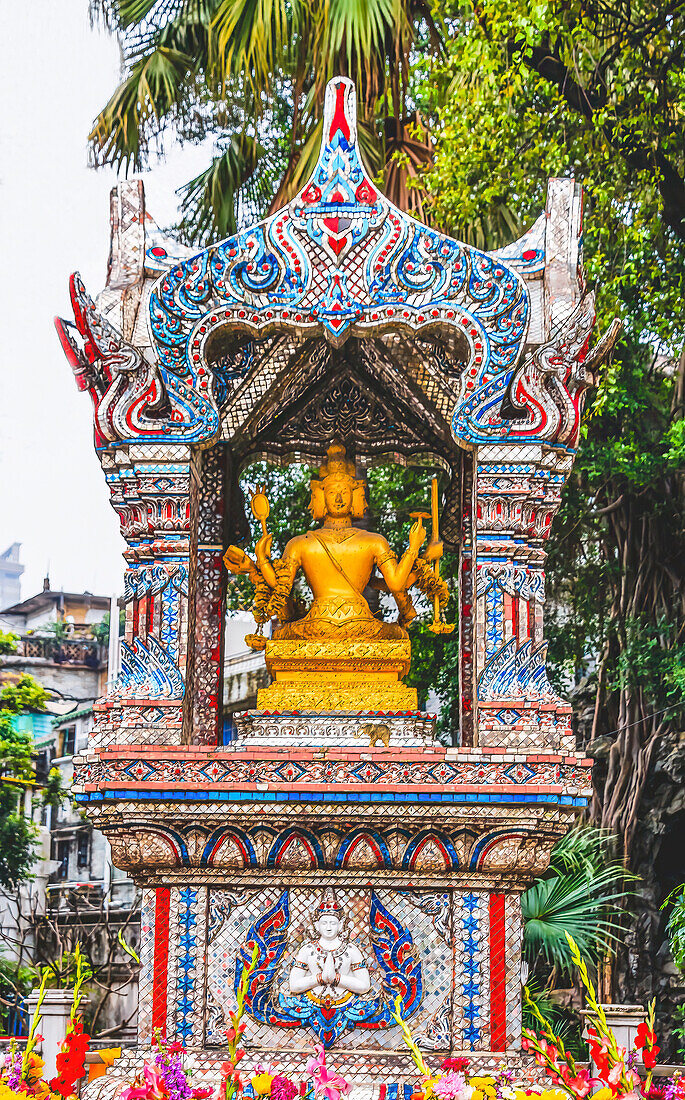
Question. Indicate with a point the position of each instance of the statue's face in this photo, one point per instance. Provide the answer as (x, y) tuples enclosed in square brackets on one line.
[(337, 495), (328, 926)]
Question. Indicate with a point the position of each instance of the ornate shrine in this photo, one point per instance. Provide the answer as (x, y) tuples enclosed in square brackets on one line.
[(337, 839)]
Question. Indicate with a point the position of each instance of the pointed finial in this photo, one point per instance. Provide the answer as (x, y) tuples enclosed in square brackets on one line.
[(340, 111)]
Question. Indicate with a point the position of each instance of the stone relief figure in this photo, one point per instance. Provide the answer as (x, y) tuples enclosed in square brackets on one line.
[(338, 561), (327, 985), (328, 967)]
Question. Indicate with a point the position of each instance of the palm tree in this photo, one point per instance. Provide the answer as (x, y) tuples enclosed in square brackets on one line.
[(579, 894), (255, 72)]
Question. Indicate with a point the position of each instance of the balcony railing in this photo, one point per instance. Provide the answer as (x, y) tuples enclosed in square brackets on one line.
[(67, 651)]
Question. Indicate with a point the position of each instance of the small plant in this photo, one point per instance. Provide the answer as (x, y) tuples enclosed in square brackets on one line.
[(675, 927), (9, 642)]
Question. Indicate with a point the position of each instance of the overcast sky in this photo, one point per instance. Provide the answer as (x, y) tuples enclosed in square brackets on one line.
[(54, 219)]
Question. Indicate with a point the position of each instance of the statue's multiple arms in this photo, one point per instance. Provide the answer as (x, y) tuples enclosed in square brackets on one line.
[(239, 562), (395, 573)]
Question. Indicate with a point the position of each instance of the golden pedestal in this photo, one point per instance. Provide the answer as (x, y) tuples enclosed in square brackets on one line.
[(349, 676)]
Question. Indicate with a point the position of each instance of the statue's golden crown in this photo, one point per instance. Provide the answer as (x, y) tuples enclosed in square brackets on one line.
[(338, 467), (337, 464)]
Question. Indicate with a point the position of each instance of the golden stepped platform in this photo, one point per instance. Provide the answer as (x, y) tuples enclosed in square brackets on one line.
[(351, 676)]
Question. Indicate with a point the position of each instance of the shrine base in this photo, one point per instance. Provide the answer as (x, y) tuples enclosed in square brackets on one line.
[(427, 850)]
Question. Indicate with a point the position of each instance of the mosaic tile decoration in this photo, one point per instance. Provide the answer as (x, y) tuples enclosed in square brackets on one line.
[(146, 953), (449, 936), (276, 774), (431, 1020), (489, 347)]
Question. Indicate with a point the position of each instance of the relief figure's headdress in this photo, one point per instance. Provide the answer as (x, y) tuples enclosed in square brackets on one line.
[(339, 468), (328, 904)]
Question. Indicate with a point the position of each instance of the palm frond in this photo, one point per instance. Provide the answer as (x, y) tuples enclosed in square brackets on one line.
[(209, 201), (130, 12), (354, 39), (580, 895), (249, 38), (150, 93)]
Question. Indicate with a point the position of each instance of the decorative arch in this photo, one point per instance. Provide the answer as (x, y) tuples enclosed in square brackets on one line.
[(373, 842), (223, 837), (488, 843), (300, 839), (411, 860)]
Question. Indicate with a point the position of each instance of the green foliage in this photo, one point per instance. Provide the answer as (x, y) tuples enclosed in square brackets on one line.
[(579, 895), (17, 774), (26, 695), (17, 837), (100, 631), (675, 927), (253, 75), (595, 91), (9, 642), (59, 628)]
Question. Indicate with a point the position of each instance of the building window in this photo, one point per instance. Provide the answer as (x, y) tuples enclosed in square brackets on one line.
[(69, 741), (62, 855), (83, 850), (42, 766)]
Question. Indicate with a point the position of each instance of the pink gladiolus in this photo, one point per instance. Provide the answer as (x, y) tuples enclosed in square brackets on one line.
[(327, 1083), (452, 1087), (614, 1074)]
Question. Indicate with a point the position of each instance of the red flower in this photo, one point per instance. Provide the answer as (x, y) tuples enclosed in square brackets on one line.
[(455, 1065), (644, 1036), (650, 1057), (70, 1062)]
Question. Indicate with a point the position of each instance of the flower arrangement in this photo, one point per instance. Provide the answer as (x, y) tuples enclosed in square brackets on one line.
[(166, 1079), (616, 1077), (21, 1075)]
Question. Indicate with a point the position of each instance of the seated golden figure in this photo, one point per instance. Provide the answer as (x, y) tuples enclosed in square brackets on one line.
[(338, 561), (339, 656)]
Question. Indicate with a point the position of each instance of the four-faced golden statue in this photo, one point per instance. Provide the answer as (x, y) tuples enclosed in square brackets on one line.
[(339, 562)]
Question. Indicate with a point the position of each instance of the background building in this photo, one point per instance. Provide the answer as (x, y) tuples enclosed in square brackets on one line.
[(11, 570), (59, 642)]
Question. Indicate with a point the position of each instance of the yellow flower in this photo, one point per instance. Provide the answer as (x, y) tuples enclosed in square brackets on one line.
[(261, 1083), (603, 1094), (557, 1094), (485, 1087)]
